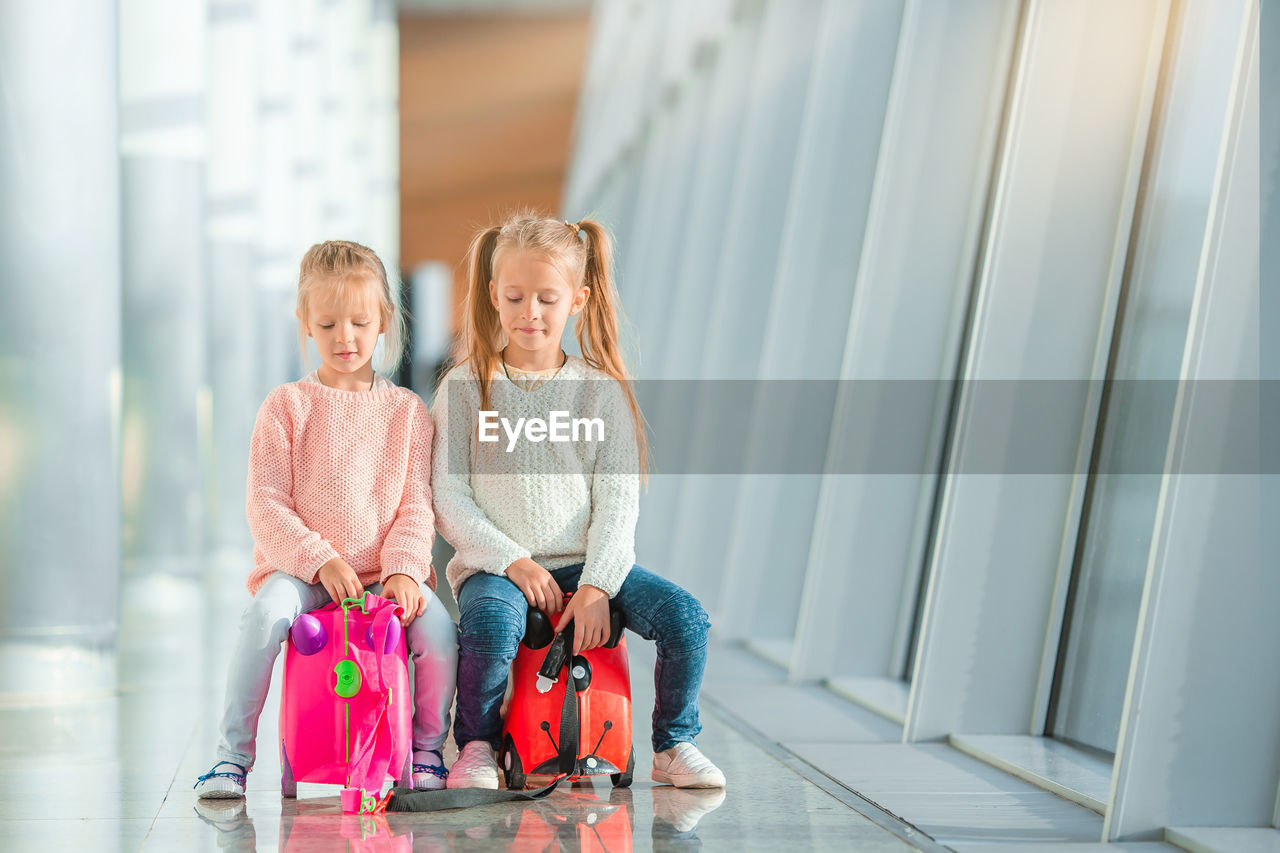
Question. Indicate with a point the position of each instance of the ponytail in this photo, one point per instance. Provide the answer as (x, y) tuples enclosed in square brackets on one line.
[(597, 328), (482, 330)]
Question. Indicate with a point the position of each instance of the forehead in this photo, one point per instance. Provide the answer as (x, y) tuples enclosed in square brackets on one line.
[(529, 271), (350, 295)]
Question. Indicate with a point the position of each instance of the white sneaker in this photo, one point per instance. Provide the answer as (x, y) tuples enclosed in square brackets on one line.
[(221, 784), (476, 767), (684, 766)]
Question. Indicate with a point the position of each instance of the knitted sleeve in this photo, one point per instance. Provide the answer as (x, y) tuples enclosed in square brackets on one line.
[(478, 541), (615, 496), (285, 541), (406, 550)]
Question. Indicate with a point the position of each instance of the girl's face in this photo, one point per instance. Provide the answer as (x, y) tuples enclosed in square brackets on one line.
[(346, 330), (534, 301)]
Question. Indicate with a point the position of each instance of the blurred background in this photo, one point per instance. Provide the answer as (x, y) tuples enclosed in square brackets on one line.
[(954, 321)]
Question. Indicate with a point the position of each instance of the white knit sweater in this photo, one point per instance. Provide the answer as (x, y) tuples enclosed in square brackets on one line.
[(558, 503)]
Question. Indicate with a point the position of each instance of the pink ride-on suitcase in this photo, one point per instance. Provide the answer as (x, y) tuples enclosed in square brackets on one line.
[(346, 712)]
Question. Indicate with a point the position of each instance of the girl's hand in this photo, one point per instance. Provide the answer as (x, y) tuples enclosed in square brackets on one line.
[(539, 588), (589, 609), (340, 580), (404, 590)]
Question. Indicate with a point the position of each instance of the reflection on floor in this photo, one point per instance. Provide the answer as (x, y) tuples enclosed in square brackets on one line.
[(114, 772), (86, 768)]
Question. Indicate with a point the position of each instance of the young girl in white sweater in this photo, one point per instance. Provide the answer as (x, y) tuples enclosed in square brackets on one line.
[(533, 517)]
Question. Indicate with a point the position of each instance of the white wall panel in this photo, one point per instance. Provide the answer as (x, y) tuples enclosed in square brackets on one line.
[(1145, 361), (60, 366), (231, 227), (744, 275), (1054, 256), (1199, 744), (806, 317), (904, 330), (162, 149), (718, 99)]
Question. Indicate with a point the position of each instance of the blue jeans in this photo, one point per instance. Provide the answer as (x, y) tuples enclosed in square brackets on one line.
[(493, 612)]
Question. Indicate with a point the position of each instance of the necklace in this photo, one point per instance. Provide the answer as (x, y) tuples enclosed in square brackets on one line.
[(563, 359)]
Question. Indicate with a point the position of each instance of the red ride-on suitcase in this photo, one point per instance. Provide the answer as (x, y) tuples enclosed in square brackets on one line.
[(585, 731)]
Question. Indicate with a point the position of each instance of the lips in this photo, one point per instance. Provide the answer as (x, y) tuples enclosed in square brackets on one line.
[(345, 355)]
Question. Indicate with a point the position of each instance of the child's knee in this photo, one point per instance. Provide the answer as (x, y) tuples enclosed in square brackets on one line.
[(272, 611), (433, 633), (266, 621), (491, 625), (682, 624)]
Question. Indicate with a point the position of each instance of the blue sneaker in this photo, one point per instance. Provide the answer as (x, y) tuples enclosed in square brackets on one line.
[(221, 784), (430, 776)]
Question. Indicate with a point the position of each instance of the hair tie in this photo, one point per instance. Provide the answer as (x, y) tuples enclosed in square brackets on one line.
[(574, 226)]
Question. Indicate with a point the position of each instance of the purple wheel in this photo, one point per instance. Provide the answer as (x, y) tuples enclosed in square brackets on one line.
[(309, 635)]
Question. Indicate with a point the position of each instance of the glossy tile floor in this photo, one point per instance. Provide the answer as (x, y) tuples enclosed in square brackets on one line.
[(113, 771), (949, 800), (89, 768)]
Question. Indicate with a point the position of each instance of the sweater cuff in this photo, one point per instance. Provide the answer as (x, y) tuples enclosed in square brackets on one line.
[(417, 569), (309, 563), (608, 581), (501, 560)]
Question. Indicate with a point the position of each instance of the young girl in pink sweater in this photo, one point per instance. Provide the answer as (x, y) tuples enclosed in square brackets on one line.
[(339, 502)]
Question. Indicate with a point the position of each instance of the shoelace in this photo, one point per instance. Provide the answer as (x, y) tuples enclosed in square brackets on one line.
[(435, 770), (213, 774)]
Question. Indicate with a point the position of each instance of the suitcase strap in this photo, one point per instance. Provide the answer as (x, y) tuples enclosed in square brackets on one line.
[(360, 750), (568, 748), (409, 800)]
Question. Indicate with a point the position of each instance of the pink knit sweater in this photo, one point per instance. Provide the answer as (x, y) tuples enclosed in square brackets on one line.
[(341, 474)]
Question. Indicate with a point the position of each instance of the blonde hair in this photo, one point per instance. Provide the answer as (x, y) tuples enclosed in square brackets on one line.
[(342, 266), (583, 254)]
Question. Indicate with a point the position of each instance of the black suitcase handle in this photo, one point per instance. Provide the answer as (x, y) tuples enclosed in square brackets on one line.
[(539, 630)]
